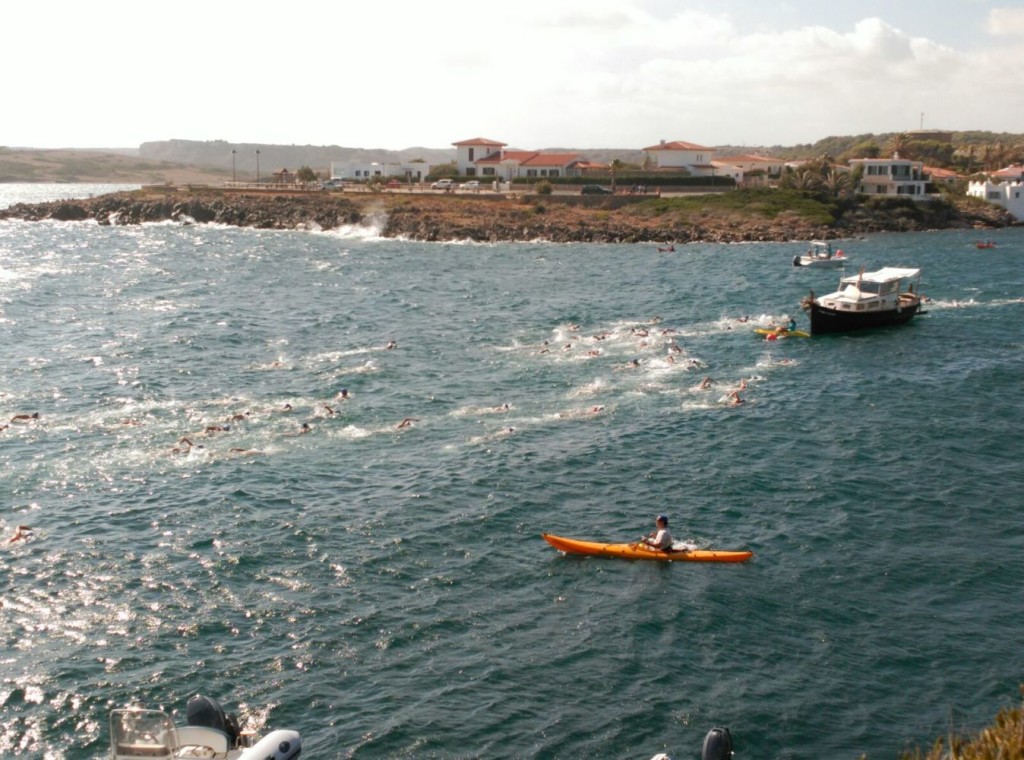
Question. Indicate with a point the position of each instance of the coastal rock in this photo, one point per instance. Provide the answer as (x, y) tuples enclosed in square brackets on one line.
[(493, 218)]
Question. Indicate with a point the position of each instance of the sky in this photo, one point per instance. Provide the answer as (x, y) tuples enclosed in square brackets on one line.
[(534, 74)]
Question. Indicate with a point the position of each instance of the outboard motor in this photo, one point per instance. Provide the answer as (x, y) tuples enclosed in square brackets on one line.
[(796, 261), (207, 712), (717, 745)]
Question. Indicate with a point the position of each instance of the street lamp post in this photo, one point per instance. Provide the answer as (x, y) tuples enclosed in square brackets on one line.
[(233, 178), (257, 167)]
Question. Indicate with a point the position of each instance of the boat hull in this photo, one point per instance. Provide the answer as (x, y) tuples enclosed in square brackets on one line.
[(641, 552), (825, 320), (820, 263)]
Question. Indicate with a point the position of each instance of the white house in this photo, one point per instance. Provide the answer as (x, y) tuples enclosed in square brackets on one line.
[(468, 152), (1009, 195), (696, 159), (891, 176), (752, 163), (409, 171), (488, 159)]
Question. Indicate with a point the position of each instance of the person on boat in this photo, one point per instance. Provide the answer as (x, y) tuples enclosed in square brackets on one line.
[(662, 537), (791, 325)]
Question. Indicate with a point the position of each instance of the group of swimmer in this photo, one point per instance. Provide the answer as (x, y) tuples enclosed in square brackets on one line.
[(643, 334), (185, 444)]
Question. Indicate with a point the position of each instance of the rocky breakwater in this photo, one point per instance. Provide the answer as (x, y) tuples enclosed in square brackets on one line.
[(770, 216), (263, 210)]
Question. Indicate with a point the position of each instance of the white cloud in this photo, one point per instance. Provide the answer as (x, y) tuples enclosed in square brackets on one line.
[(1006, 22), (539, 73)]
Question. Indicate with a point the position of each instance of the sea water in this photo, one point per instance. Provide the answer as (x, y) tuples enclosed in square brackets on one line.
[(209, 516)]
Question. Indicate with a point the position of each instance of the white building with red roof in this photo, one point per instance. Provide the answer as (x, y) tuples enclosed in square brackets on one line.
[(680, 155), (488, 159)]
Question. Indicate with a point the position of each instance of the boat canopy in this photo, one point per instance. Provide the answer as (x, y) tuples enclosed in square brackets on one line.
[(886, 274)]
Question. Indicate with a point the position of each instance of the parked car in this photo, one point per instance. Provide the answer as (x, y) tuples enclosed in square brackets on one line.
[(333, 184), (471, 185), (595, 190), (443, 184)]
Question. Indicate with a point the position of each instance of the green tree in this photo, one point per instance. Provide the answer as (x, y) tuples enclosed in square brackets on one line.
[(305, 174)]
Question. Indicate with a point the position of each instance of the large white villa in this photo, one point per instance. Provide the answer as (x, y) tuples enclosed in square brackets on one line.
[(489, 159), (891, 176), (696, 159)]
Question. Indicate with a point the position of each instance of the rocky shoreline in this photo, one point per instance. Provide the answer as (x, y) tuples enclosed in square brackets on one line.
[(434, 217)]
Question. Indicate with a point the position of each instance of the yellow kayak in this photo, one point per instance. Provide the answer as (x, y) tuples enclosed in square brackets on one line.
[(782, 333), (641, 551)]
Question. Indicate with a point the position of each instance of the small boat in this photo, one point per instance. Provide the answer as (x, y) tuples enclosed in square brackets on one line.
[(775, 333), (210, 733), (820, 255), (986, 244), (640, 550), (865, 300)]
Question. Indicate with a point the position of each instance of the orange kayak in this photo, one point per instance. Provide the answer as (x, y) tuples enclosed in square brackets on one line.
[(640, 551)]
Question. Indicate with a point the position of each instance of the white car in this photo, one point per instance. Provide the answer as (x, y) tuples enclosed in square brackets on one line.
[(471, 185), (443, 184)]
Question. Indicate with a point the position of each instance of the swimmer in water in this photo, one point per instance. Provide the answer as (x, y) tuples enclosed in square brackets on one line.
[(407, 422), (21, 533), (25, 417), (185, 446)]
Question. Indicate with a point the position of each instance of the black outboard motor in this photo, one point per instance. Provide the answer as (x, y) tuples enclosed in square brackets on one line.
[(796, 261), (207, 712), (717, 745)]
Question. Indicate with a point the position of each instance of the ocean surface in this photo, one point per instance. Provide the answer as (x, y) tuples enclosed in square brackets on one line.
[(385, 590)]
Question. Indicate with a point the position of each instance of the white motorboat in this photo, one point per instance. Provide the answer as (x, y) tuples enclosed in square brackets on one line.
[(210, 733), (865, 300), (820, 254)]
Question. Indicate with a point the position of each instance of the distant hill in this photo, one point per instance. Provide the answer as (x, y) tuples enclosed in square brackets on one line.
[(217, 153), (35, 165)]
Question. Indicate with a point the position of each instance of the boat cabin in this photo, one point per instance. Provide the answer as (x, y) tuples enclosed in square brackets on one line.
[(873, 290)]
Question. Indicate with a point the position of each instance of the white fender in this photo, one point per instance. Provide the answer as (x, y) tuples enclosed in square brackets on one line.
[(277, 745)]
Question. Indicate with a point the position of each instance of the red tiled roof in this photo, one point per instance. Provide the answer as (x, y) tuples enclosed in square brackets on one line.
[(937, 172), (499, 156), (529, 158), (1016, 170), (677, 145), (481, 141), (551, 159), (748, 159)]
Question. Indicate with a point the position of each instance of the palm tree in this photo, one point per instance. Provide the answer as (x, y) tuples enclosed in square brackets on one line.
[(836, 183), (899, 143), (615, 165)]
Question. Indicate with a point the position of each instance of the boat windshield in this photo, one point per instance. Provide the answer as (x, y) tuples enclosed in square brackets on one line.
[(142, 733)]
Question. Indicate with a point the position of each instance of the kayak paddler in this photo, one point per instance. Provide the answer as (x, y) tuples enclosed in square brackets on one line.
[(661, 538)]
